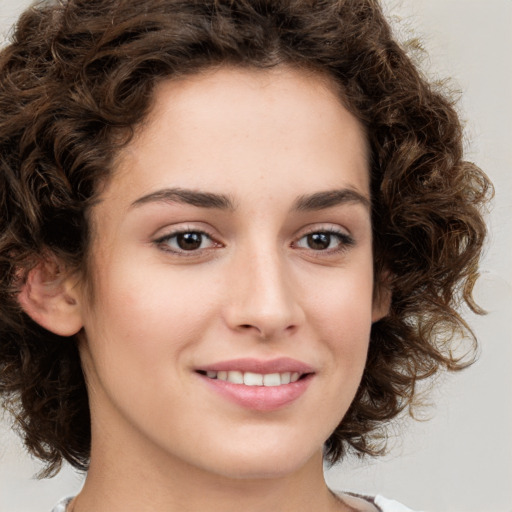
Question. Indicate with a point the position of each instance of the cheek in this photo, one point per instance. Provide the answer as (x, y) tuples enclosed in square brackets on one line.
[(343, 297), (341, 312), (134, 315)]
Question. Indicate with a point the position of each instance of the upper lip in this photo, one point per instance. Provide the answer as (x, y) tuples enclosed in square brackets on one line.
[(279, 365)]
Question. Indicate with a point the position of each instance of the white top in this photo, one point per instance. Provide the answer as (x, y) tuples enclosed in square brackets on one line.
[(382, 504), (370, 503), (389, 505)]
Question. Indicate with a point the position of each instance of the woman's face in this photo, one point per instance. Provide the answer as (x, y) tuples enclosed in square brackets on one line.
[(232, 271)]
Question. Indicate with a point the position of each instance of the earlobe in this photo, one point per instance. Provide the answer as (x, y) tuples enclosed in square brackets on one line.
[(51, 299), (382, 298)]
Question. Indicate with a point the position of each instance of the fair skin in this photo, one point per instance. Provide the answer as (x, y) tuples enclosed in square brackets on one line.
[(234, 236)]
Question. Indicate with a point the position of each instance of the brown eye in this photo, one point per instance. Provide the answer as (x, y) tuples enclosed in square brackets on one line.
[(328, 241), (319, 241), (185, 241), (189, 241)]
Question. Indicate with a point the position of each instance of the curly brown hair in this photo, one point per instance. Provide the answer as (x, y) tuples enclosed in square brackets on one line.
[(76, 79)]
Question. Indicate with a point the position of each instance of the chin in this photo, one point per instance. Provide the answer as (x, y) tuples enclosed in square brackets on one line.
[(265, 464)]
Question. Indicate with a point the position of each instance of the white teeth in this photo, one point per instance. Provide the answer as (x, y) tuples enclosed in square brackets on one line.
[(254, 379), (236, 377), (272, 379)]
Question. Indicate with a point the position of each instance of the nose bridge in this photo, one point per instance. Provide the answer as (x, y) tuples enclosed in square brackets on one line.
[(263, 298)]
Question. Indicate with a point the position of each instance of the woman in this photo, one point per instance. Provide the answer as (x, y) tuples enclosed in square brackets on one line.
[(233, 238)]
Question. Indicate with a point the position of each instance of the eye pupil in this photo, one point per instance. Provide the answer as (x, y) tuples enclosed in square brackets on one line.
[(189, 241), (319, 241)]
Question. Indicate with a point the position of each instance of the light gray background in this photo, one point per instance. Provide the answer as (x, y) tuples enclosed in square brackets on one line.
[(460, 460)]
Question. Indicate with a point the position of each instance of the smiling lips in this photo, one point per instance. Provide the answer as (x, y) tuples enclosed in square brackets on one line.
[(259, 385), (255, 379)]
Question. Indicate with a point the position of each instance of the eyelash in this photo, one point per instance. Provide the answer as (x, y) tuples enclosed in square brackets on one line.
[(345, 241), (164, 242)]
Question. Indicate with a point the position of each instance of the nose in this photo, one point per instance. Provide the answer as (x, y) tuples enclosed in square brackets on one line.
[(263, 299)]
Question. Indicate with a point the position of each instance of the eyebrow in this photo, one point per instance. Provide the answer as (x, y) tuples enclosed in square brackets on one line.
[(309, 202), (186, 196), (330, 198)]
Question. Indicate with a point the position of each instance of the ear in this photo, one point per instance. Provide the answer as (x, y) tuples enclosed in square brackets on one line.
[(381, 297), (50, 298)]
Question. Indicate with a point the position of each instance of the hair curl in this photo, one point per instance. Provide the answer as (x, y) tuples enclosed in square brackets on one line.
[(78, 76)]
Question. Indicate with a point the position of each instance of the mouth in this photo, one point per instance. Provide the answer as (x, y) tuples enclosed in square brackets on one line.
[(258, 385), (254, 379)]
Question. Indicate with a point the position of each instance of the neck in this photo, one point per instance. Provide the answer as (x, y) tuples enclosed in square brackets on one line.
[(127, 480)]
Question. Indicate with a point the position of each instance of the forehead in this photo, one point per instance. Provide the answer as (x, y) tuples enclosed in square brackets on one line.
[(236, 128)]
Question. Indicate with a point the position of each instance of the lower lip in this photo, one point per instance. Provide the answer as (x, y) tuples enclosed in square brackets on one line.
[(260, 398)]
